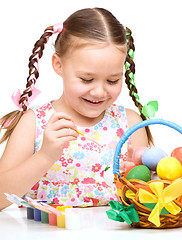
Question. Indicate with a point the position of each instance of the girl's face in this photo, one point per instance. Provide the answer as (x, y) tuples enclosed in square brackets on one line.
[(92, 80)]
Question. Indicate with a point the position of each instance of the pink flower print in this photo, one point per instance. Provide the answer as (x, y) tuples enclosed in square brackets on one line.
[(87, 130), (64, 164), (83, 138), (43, 121), (123, 157), (102, 174), (41, 114), (62, 159), (112, 144), (105, 185), (70, 160), (100, 189), (88, 189), (42, 195), (76, 181), (88, 180), (120, 132), (45, 182), (96, 167), (86, 199), (105, 128), (67, 172), (112, 113), (35, 187), (78, 192), (55, 200), (49, 106), (80, 166), (43, 126), (43, 108)]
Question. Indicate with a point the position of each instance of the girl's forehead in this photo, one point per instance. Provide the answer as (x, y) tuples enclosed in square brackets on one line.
[(97, 49), (96, 60), (76, 43)]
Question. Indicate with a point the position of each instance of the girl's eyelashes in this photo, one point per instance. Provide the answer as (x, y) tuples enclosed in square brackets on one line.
[(86, 80), (113, 81), (109, 81)]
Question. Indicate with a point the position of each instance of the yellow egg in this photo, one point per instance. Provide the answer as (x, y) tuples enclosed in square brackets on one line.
[(169, 168)]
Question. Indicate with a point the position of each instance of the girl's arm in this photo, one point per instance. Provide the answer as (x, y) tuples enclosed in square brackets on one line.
[(138, 138), (20, 167)]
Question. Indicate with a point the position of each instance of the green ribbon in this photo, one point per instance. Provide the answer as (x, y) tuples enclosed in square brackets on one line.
[(150, 109), (131, 53), (152, 205), (127, 66), (124, 214)]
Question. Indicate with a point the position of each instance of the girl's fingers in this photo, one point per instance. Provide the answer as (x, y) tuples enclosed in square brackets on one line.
[(130, 153), (58, 116), (63, 123), (66, 132)]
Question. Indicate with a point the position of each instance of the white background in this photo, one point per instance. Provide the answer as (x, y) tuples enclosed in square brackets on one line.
[(157, 32)]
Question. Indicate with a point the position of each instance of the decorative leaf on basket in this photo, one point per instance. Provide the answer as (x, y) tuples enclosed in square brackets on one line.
[(124, 214), (163, 197)]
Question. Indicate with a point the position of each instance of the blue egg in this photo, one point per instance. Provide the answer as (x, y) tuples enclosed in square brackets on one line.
[(152, 156)]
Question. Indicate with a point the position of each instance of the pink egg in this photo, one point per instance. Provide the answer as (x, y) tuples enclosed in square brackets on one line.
[(177, 153), (137, 155)]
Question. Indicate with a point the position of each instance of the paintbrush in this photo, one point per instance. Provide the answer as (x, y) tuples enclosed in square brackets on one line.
[(91, 139)]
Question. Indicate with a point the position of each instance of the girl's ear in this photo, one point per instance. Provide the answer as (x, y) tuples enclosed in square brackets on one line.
[(57, 64)]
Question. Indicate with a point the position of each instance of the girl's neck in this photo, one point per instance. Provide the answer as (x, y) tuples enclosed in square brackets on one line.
[(80, 120)]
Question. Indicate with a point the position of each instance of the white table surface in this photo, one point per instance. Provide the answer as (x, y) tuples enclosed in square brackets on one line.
[(95, 225)]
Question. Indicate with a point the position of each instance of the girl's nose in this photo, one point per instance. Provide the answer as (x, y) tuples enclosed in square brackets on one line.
[(98, 91)]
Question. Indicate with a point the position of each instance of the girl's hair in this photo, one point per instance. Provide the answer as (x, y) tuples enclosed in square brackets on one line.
[(84, 27)]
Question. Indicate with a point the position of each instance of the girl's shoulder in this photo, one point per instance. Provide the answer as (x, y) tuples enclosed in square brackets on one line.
[(132, 117)]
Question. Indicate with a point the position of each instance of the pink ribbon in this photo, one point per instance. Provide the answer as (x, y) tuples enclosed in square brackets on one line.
[(17, 95), (57, 28)]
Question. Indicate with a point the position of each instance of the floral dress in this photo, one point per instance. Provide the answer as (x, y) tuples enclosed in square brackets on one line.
[(77, 178)]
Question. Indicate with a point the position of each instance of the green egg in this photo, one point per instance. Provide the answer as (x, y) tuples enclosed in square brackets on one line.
[(140, 172)]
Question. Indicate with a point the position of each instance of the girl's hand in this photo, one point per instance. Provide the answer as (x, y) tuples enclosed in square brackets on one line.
[(59, 130), (129, 163)]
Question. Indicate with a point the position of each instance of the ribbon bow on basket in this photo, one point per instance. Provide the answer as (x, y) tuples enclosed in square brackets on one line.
[(158, 203)]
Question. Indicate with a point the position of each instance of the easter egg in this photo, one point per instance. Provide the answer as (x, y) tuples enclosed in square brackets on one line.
[(140, 172), (137, 155), (108, 176), (128, 170), (152, 156), (169, 168), (177, 153)]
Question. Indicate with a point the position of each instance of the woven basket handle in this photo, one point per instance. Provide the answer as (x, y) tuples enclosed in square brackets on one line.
[(134, 128)]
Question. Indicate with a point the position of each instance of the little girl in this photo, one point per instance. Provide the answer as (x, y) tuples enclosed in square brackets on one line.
[(45, 157)]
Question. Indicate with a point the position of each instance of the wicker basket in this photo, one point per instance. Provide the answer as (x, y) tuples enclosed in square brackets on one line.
[(122, 184)]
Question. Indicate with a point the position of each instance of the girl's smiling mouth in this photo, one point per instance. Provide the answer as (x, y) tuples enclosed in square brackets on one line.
[(93, 102)]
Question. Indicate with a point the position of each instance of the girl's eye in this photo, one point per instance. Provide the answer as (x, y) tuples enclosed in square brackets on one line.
[(113, 81), (86, 80)]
